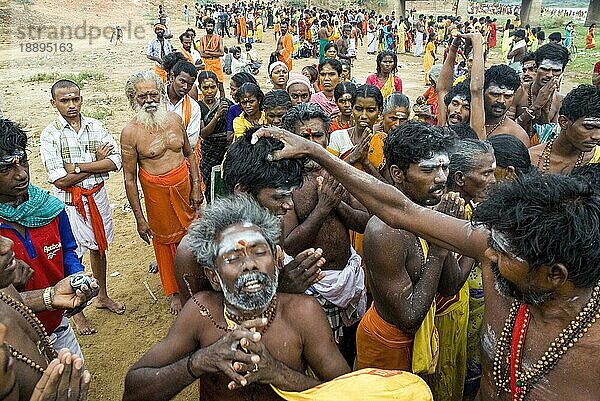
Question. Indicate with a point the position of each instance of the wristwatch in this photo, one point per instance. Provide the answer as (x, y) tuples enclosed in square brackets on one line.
[(77, 169)]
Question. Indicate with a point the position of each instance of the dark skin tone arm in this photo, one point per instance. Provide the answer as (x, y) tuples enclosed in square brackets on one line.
[(102, 165), (386, 201), (352, 214), (445, 81), (477, 115), (130, 155), (299, 235), (207, 130), (398, 275), (154, 58)]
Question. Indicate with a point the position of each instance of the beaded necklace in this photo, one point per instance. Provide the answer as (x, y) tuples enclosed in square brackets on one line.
[(495, 126), (545, 155), (269, 314), (44, 345), (508, 374)]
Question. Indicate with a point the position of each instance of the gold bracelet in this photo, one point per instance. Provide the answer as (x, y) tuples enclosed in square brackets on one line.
[(47, 296)]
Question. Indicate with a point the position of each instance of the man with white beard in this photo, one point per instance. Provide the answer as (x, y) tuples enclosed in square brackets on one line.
[(155, 143)]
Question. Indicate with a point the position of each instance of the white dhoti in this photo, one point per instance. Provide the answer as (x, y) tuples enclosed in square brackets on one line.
[(342, 294), (418, 44), (82, 229)]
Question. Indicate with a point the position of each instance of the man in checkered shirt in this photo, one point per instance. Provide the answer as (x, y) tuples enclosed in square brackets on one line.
[(78, 153)]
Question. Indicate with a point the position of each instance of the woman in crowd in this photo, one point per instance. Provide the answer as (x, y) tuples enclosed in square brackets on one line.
[(590, 40), (279, 75), (299, 88), (396, 111), (235, 110), (357, 145), (331, 50), (371, 37), (330, 71), (214, 133), (429, 57), (512, 157), (312, 74), (250, 98), (344, 95), (385, 78)]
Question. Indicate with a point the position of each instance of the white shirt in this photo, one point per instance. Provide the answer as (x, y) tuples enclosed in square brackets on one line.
[(193, 128), (59, 144)]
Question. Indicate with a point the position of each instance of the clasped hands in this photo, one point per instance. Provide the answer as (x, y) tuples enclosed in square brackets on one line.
[(241, 355)]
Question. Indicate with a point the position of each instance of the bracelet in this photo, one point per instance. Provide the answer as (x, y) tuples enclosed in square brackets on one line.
[(47, 296), (189, 367)]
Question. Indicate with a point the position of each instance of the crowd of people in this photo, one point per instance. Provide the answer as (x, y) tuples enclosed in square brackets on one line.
[(320, 239)]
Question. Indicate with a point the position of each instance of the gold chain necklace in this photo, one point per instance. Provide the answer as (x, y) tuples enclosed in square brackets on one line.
[(527, 378)]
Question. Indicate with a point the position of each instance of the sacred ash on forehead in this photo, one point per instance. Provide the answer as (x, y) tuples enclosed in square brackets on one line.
[(239, 240), (438, 159), (551, 65)]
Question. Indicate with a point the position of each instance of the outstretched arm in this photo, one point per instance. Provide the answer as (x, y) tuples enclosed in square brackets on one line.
[(477, 72), (386, 201), (446, 78)]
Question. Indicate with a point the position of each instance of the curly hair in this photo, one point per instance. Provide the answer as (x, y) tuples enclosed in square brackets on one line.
[(553, 52), (581, 102), (12, 137), (223, 213), (462, 90), (412, 142), (503, 76), (303, 112), (548, 219), (247, 165)]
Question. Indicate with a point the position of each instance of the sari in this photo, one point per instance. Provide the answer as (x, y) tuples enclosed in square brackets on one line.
[(213, 146)]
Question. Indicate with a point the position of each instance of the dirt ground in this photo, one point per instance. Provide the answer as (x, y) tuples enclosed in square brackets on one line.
[(120, 340)]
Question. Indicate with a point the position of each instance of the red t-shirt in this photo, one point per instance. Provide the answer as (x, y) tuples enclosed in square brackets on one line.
[(597, 71)]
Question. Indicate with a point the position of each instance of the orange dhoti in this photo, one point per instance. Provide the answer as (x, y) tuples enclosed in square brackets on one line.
[(382, 345), (161, 73), (214, 65), (167, 200)]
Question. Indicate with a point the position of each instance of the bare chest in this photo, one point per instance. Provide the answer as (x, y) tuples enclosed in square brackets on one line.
[(152, 145)]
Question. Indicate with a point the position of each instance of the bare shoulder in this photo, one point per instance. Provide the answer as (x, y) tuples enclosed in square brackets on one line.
[(377, 229), (536, 151), (129, 132), (294, 307)]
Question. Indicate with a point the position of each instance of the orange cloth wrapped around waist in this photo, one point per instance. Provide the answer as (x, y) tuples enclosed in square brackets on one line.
[(167, 200), (214, 65), (77, 194), (382, 345)]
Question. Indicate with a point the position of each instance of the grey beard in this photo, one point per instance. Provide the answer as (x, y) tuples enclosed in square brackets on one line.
[(251, 302), (151, 119)]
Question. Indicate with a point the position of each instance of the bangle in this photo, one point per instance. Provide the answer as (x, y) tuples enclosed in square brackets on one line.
[(47, 296), (189, 367)]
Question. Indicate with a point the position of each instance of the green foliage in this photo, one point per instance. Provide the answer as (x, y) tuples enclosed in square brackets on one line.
[(549, 22), (99, 113), (43, 77), (80, 79)]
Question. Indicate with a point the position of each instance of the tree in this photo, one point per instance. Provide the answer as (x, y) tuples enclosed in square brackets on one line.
[(593, 14)]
